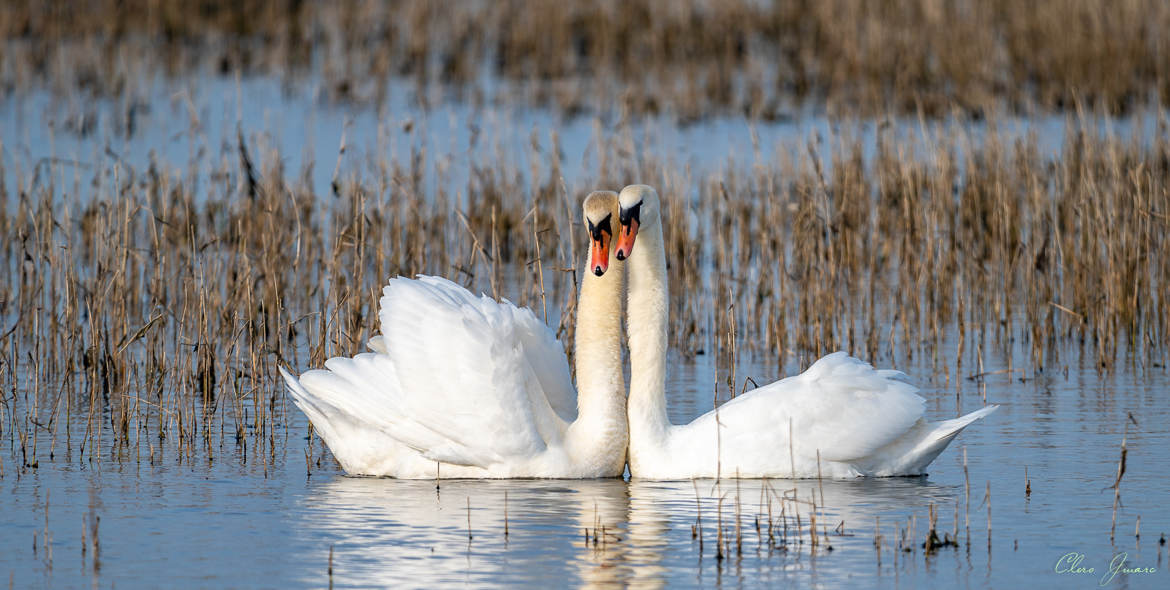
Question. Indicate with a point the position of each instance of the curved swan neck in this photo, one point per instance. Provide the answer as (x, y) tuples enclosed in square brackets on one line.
[(598, 354), (648, 314)]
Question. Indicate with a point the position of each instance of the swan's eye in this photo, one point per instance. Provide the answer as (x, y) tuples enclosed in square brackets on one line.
[(631, 214), (600, 234), (629, 220), (603, 226)]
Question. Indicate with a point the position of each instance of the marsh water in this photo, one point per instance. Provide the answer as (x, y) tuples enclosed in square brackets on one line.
[(244, 520), (240, 516)]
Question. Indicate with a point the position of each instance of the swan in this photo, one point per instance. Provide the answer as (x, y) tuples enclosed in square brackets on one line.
[(465, 386), (863, 422)]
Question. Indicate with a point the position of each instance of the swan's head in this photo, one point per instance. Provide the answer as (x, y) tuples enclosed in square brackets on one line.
[(601, 213), (638, 208)]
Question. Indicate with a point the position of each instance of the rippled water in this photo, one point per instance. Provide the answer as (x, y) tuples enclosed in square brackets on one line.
[(250, 519)]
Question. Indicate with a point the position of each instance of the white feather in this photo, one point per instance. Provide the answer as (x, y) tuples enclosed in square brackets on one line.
[(459, 385), (839, 418)]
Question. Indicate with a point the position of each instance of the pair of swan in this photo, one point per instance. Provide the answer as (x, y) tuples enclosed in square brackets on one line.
[(465, 386)]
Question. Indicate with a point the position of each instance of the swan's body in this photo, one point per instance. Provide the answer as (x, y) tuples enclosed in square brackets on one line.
[(465, 386), (860, 420)]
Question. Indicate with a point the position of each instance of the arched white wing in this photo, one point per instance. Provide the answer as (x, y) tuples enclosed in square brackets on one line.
[(462, 379)]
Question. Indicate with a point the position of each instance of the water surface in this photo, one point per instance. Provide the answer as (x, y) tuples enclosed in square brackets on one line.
[(243, 520)]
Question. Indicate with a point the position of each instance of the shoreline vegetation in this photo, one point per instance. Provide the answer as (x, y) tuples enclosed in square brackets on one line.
[(692, 60)]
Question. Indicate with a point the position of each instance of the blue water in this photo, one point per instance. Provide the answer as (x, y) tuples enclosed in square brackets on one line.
[(192, 128), (257, 519)]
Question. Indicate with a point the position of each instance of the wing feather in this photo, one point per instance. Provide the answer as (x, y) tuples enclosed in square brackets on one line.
[(840, 405), (473, 377)]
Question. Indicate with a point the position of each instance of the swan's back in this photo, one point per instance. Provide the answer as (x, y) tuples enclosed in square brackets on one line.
[(862, 421)]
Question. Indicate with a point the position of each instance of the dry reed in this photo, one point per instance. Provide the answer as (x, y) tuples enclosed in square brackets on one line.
[(694, 58), (151, 306)]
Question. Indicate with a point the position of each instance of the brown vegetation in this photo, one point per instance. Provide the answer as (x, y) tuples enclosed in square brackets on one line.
[(167, 299), (690, 59), (159, 300)]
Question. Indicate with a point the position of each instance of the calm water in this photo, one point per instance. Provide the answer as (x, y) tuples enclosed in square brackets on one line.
[(254, 518), (191, 128)]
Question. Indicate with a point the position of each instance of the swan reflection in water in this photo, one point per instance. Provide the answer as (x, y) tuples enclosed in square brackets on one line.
[(394, 532)]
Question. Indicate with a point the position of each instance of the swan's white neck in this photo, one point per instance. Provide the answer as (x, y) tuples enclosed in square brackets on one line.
[(600, 429), (648, 314)]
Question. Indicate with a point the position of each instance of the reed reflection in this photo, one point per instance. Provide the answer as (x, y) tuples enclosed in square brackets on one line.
[(593, 533)]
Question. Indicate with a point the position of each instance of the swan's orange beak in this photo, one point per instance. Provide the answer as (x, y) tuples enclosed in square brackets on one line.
[(625, 243), (599, 253)]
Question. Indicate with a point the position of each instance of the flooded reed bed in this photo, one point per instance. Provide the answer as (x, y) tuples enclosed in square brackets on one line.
[(977, 193), (162, 303), (691, 60), (153, 281), (155, 302), (1013, 248)]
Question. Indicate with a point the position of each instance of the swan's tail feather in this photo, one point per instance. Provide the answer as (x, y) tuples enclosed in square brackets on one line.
[(912, 453), (326, 419), (308, 404), (949, 428), (361, 446), (941, 435)]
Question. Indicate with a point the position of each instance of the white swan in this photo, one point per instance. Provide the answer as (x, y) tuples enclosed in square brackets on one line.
[(862, 421), (479, 386)]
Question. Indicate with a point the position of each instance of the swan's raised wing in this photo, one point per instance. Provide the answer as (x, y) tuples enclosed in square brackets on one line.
[(462, 379), (840, 406), (546, 356)]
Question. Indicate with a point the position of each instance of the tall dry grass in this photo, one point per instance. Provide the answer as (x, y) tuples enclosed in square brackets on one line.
[(154, 304), (691, 59)]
